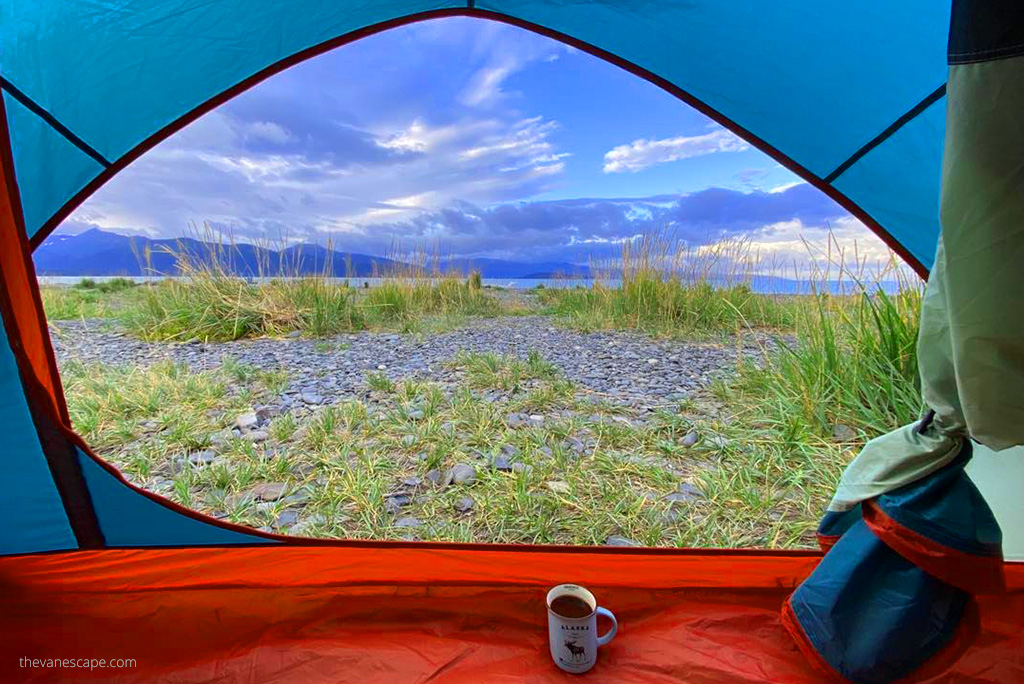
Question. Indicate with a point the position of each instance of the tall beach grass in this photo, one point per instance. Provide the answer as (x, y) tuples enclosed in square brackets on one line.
[(208, 301), (664, 287), (852, 359)]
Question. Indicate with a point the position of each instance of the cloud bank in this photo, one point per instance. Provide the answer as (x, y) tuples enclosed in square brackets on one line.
[(642, 153)]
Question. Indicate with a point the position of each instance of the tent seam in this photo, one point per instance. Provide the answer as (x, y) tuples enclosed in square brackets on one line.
[(888, 132), (53, 122)]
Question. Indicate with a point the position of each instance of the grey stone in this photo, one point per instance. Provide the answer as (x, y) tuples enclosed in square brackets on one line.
[(393, 504), (843, 433), (690, 439), (671, 516), (514, 420), (305, 526), (575, 445), (518, 467), (407, 521), (689, 489), (686, 494), (616, 540), (412, 482), (303, 470), (287, 517), (415, 415), (221, 438), (269, 491), (501, 463), (312, 398), (463, 473), (409, 440), (297, 498), (241, 498), (464, 504), (201, 458), (295, 334), (510, 450), (256, 436), (434, 476), (247, 421)]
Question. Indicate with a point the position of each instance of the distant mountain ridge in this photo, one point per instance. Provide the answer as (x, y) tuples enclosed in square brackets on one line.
[(99, 253)]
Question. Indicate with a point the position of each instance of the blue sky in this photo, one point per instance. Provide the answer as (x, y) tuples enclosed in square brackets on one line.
[(473, 137)]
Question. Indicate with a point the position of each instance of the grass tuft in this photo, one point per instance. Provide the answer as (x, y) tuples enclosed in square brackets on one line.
[(663, 288)]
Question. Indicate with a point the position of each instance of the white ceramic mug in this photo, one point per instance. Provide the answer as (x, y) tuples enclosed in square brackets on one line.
[(573, 638)]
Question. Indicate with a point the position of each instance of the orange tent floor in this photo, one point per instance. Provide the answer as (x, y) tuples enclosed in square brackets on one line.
[(395, 613)]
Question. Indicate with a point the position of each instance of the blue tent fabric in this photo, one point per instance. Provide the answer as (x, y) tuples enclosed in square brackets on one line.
[(34, 515), (811, 83), (45, 184), (128, 518)]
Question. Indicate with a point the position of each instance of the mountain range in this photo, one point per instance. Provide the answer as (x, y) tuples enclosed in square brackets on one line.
[(100, 253)]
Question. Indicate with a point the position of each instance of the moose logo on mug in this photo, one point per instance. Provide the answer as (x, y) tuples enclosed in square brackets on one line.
[(577, 652), (572, 627)]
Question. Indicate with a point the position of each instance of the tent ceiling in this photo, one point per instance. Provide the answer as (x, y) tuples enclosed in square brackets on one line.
[(847, 94)]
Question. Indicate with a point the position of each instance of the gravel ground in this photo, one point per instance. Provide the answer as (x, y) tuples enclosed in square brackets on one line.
[(597, 462), (623, 368)]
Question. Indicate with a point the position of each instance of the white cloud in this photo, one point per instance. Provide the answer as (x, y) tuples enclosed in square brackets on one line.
[(786, 186), (269, 131), (642, 153), (523, 147), (505, 54), (485, 85), (793, 248), (259, 192)]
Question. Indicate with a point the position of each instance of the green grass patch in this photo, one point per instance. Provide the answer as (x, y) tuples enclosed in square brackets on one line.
[(664, 288), (211, 306), (97, 301), (853, 362), (400, 300), (848, 375), (106, 286), (661, 304)]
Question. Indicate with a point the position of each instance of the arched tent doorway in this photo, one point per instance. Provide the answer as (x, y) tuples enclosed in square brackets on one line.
[(88, 89)]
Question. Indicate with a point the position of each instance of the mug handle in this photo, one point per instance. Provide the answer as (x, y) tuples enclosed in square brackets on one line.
[(602, 640)]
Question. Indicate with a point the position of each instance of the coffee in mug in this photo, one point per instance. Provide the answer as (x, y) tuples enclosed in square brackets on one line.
[(572, 627)]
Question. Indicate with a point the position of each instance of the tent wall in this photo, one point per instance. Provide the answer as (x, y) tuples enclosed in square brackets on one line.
[(129, 517), (1000, 477), (90, 87), (34, 517)]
